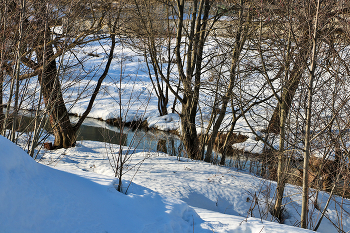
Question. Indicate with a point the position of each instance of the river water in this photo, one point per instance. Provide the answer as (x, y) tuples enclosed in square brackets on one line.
[(96, 130), (151, 140), (140, 139)]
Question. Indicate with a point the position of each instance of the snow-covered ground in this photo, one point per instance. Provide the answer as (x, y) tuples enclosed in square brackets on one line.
[(66, 197), (129, 90), (75, 192)]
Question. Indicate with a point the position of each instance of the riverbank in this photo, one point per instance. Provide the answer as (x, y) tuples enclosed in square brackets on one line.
[(220, 193), (76, 193)]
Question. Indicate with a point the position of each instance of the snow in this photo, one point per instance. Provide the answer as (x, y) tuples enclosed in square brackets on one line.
[(40, 198), (218, 190), (134, 96), (75, 192), (37, 198), (165, 123), (251, 145)]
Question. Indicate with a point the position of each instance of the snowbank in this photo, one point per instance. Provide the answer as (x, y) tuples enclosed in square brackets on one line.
[(221, 196), (165, 123), (37, 198)]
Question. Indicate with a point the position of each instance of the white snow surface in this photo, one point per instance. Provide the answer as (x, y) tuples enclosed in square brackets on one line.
[(165, 123), (37, 198), (69, 198), (76, 192), (128, 90)]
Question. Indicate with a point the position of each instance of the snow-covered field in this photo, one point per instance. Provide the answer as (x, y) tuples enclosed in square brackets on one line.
[(134, 96), (73, 190), (77, 194)]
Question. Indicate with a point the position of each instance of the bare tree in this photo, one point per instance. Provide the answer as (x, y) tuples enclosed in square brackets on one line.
[(194, 30), (242, 29), (150, 32), (39, 40)]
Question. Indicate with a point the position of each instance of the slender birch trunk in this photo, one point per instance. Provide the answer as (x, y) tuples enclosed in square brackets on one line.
[(281, 156), (2, 54), (17, 71), (305, 196), (37, 125)]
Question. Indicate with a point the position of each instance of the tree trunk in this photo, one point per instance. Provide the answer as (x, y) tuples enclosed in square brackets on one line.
[(307, 142), (215, 130), (162, 97), (291, 87), (280, 168), (1, 102), (191, 80), (240, 40), (2, 55), (50, 84), (162, 105), (283, 113), (51, 89), (189, 132), (227, 145)]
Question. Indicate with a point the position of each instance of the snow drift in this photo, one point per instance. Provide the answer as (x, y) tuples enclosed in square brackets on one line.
[(37, 198)]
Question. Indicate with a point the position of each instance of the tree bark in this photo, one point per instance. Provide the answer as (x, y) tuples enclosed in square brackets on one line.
[(227, 145), (191, 79), (280, 168), (1, 102), (2, 55), (291, 87), (307, 141), (240, 39), (189, 132), (283, 113), (53, 99)]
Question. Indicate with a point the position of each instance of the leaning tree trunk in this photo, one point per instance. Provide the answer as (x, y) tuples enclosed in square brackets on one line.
[(240, 40), (53, 99), (63, 130), (291, 87), (50, 83)]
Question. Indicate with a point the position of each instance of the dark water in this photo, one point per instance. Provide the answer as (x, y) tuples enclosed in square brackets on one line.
[(152, 140), (139, 139), (95, 130), (92, 133)]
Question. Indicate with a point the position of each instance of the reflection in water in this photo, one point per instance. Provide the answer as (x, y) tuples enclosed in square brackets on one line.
[(25, 123), (151, 140), (161, 146), (101, 135), (96, 130)]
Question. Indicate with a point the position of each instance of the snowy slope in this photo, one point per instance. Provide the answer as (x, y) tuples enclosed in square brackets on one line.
[(38, 198)]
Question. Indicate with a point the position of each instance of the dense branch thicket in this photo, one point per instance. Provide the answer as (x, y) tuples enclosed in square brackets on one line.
[(37, 34), (279, 68)]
